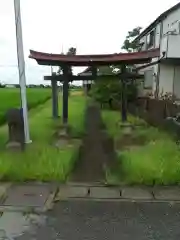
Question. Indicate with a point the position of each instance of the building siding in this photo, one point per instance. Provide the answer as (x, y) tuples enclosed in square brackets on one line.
[(166, 78), (176, 86), (173, 49), (158, 35), (169, 21)]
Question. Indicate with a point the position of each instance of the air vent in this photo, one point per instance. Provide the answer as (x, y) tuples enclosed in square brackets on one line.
[(174, 29)]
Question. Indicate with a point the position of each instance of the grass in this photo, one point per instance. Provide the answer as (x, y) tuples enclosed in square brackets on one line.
[(11, 98), (42, 161), (155, 162)]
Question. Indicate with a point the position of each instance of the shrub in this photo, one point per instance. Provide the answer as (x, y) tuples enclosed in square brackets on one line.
[(105, 90)]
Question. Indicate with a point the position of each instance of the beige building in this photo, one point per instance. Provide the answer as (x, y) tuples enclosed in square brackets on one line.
[(163, 33)]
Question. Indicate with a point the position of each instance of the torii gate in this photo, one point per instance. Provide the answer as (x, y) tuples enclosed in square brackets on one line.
[(93, 61)]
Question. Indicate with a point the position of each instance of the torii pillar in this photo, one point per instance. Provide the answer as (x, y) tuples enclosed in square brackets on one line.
[(65, 94), (54, 86)]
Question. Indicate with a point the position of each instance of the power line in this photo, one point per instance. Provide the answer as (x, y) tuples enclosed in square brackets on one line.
[(1, 65), (9, 65)]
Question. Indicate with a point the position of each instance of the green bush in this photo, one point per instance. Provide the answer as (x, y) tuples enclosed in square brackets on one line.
[(105, 89)]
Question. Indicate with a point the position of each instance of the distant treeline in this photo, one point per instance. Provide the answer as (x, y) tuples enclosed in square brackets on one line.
[(34, 86)]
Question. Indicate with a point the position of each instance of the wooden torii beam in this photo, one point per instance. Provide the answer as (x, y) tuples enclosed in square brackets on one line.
[(54, 78), (126, 75)]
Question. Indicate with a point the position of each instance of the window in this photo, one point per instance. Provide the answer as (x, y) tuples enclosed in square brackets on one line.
[(148, 79), (151, 39)]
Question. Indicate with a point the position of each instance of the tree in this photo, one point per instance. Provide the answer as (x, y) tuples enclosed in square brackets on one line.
[(109, 90), (71, 51), (129, 45)]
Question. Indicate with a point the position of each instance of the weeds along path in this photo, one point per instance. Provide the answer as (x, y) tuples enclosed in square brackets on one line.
[(97, 150)]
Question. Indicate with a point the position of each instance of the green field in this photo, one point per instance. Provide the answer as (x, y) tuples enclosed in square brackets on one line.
[(42, 161), (11, 98)]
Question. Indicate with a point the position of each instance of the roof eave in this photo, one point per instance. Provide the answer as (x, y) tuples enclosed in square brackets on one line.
[(148, 29)]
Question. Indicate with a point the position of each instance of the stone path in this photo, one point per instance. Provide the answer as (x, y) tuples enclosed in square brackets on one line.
[(21, 206), (24, 208), (78, 191), (39, 198), (94, 155), (26, 197)]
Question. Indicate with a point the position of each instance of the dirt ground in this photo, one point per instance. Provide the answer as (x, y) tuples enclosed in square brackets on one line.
[(97, 149)]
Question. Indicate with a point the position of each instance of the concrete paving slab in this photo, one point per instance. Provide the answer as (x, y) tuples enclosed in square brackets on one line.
[(3, 190), (136, 193), (12, 225), (85, 184), (167, 193), (27, 196), (72, 192), (104, 192), (15, 224)]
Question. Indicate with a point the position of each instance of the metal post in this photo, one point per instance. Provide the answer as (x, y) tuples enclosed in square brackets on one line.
[(21, 68), (54, 99), (123, 96)]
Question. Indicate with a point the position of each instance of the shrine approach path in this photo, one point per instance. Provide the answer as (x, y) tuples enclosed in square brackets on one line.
[(96, 151)]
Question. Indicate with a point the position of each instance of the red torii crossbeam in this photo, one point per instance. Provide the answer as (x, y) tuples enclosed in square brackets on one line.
[(96, 59), (66, 61)]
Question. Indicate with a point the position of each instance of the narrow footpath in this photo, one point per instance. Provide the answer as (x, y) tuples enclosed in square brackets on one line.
[(96, 152)]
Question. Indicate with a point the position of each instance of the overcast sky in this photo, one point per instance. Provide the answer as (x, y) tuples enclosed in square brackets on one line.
[(96, 26)]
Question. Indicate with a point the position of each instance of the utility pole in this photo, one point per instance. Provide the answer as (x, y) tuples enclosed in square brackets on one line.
[(21, 68)]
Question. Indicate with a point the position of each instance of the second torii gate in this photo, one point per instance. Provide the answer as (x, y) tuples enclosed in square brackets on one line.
[(93, 61)]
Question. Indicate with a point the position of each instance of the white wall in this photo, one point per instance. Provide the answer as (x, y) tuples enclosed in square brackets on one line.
[(166, 79), (170, 22), (176, 86), (158, 35), (169, 80), (169, 77), (173, 46), (155, 67), (169, 74), (170, 43)]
